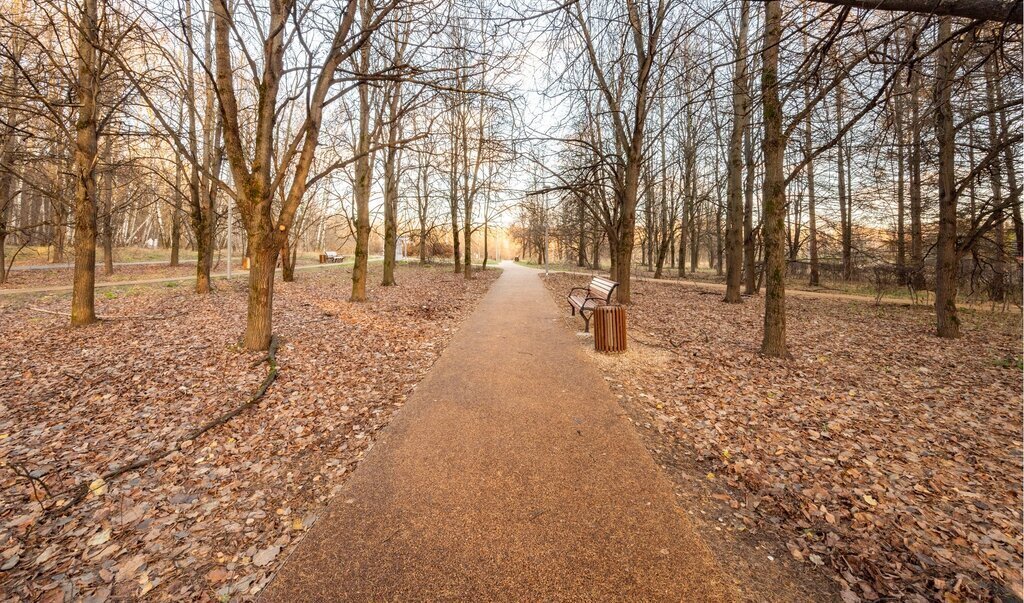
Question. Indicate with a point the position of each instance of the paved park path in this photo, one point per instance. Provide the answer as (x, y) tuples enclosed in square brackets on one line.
[(511, 474)]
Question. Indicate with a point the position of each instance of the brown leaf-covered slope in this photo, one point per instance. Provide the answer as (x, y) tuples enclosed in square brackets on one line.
[(217, 518), (885, 453)]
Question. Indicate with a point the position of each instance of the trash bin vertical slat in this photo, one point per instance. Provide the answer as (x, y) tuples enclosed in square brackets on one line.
[(610, 329)]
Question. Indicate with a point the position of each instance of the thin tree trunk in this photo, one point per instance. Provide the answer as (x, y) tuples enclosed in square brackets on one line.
[(391, 170), (1011, 177), (107, 193), (289, 252), (901, 210), (844, 195), (176, 213), (749, 236), (946, 256), (7, 186), (361, 192), (998, 289), (916, 238)]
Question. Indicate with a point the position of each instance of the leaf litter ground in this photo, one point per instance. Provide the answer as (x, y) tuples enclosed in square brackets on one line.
[(882, 455), (214, 520)]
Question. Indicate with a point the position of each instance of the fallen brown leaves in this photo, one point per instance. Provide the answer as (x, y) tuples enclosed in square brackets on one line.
[(886, 454), (59, 277), (215, 518)]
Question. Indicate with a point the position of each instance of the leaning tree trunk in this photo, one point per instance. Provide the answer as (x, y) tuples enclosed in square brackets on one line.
[(83, 310), (946, 256), (774, 197)]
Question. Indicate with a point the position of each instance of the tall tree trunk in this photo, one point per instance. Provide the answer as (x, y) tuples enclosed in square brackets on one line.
[(202, 187), (391, 171), (7, 193), (467, 232), (998, 289), (627, 219), (773, 343), (361, 192), (83, 292), (59, 214), (916, 236), (749, 236), (901, 210), (176, 213), (844, 195), (581, 217), (734, 185), (684, 224), (453, 198), (456, 246), (946, 256), (812, 210), (1011, 176), (390, 214), (108, 208)]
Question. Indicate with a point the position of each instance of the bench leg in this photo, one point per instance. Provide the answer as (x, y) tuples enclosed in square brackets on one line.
[(572, 309), (586, 323)]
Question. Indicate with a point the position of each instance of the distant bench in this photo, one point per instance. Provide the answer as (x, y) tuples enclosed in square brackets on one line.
[(330, 257), (585, 299)]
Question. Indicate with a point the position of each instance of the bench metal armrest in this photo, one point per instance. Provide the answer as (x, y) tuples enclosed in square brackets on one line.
[(587, 289), (589, 299)]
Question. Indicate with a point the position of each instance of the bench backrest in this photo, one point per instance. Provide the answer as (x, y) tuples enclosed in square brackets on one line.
[(331, 254), (602, 288)]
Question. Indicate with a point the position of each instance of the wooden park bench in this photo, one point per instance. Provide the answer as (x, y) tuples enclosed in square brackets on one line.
[(332, 256), (585, 299)]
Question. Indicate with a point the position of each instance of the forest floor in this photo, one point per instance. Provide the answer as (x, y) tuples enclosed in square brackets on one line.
[(854, 289), (881, 455), (214, 519), (59, 276), (40, 255)]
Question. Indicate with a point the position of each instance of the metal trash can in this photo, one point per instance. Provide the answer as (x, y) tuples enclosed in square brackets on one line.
[(610, 329)]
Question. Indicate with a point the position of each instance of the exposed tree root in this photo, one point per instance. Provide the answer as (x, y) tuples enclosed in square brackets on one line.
[(82, 490)]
